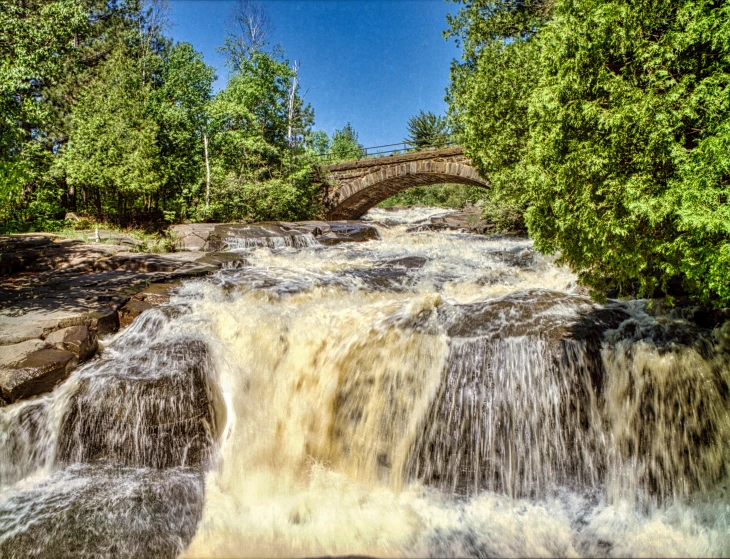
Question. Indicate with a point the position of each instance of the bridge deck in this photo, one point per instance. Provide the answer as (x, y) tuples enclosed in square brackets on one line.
[(393, 159)]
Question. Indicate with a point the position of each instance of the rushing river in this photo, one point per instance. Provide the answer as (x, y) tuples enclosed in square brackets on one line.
[(425, 394)]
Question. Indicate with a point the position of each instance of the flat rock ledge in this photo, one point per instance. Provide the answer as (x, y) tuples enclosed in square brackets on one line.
[(59, 296)]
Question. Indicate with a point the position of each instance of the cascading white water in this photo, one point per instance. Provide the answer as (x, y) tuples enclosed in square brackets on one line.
[(296, 241), (427, 394)]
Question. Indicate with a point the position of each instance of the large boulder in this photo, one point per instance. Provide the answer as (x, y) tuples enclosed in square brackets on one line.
[(348, 231), (153, 296), (517, 400), (145, 405)]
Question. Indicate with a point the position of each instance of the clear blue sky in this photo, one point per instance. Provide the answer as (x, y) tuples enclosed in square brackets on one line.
[(373, 63)]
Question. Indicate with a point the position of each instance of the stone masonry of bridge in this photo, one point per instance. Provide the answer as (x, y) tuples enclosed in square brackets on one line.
[(356, 186)]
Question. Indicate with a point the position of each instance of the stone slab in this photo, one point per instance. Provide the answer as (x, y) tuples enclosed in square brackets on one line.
[(37, 373), (79, 340), (11, 354)]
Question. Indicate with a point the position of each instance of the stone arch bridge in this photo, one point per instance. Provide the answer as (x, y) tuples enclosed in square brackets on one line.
[(356, 186)]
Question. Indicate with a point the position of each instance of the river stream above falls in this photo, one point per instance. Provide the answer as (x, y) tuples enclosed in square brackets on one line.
[(425, 394)]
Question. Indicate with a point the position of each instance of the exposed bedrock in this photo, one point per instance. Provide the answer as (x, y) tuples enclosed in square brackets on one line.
[(545, 389), (57, 297), (154, 408), (222, 236)]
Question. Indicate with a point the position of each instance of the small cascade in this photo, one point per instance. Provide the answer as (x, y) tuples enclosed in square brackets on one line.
[(29, 434), (99, 465), (513, 416), (406, 216), (635, 406), (667, 410), (302, 240)]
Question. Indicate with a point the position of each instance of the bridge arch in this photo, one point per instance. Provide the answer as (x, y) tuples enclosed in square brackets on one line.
[(360, 185)]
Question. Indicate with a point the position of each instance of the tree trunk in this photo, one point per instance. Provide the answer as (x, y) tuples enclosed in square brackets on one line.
[(207, 172), (292, 93), (71, 202), (98, 204)]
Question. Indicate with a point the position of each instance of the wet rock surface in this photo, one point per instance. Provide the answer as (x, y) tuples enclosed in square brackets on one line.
[(124, 411), (550, 315), (468, 220), (103, 511), (408, 262), (222, 236), (529, 362)]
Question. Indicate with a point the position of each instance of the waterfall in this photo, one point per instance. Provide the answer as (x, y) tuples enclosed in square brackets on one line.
[(427, 394), (302, 240)]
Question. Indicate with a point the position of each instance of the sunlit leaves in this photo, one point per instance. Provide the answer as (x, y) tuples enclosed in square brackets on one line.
[(619, 126)]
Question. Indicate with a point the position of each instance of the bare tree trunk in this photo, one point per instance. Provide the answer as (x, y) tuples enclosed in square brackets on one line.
[(292, 94), (207, 171)]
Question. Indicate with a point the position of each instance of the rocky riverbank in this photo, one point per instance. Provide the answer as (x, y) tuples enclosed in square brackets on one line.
[(59, 296)]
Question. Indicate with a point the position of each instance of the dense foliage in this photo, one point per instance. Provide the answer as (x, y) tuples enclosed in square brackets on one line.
[(437, 195), (36, 40), (426, 129), (608, 121), (101, 114)]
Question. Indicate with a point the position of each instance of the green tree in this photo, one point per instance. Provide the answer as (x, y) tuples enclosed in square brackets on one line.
[(489, 96), (112, 153), (345, 145), (36, 40), (318, 143), (616, 127), (630, 175), (180, 108), (427, 130), (257, 173)]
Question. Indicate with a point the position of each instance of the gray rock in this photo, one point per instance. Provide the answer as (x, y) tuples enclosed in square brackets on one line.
[(354, 231), (35, 374), (11, 354), (408, 262), (132, 310), (79, 340), (193, 236)]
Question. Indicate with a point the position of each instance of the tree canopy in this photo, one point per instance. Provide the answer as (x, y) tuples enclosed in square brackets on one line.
[(427, 130), (608, 122), (102, 114), (345, 144)]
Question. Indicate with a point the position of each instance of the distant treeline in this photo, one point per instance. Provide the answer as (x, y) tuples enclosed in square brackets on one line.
[(607, 123)]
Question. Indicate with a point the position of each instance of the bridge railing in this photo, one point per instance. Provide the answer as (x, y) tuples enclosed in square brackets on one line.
[(383, 151)]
